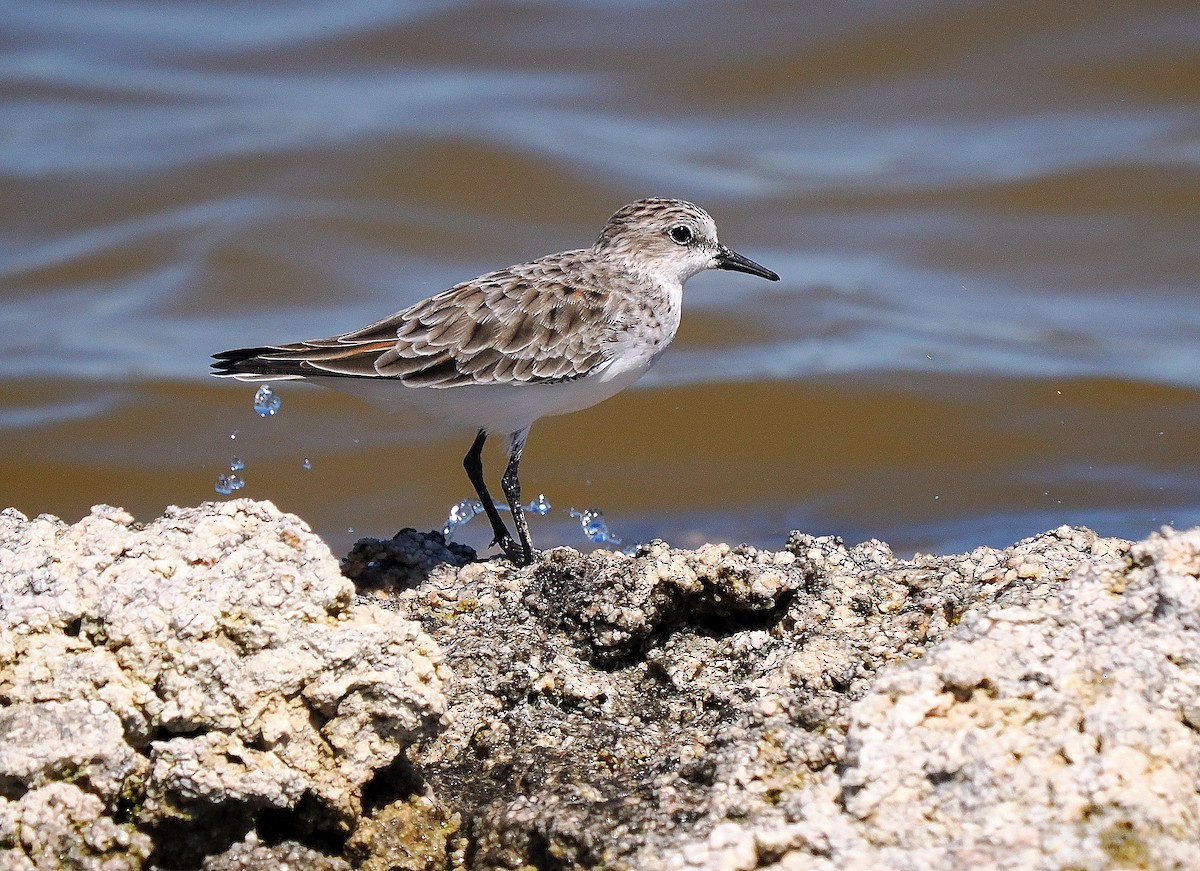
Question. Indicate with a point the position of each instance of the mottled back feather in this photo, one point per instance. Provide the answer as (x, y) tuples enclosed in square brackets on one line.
[(530, 323)]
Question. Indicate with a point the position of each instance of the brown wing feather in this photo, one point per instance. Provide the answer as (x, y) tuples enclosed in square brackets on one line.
[(527, 324)]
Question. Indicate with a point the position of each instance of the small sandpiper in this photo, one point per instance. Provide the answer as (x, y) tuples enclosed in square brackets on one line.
[(498, 352)]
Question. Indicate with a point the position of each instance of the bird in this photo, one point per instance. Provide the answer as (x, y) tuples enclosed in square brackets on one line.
[(496, 353)]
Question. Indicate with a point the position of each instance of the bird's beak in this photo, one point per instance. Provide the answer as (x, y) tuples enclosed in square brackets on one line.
[(727, 259)]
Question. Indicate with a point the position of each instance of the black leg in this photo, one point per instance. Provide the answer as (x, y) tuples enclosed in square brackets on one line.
[(511, 483), (473, 463)]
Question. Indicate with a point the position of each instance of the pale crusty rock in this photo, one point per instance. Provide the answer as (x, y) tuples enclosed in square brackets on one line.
[(208, 665), (1053, 731), (59, 825), (250, 855), (80, 740)]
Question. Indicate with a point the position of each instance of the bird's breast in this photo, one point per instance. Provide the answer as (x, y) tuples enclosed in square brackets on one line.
[(644, 328)]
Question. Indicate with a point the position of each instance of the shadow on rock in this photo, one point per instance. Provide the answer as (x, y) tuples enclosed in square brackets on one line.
[(378, 565)]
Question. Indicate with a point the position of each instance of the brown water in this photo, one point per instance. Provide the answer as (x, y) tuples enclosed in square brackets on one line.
[(986, 216)]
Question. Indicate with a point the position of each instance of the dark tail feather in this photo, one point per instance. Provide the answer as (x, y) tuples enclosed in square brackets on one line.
[(256, 361)]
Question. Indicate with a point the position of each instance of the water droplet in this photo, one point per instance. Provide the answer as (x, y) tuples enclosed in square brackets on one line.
[(266, 403), (236, 464), (594, 526), (227, 484), (307, 464), (460, 515), (462, 512)]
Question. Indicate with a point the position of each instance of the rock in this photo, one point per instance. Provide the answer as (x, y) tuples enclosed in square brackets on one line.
[(1048, 732), (417, 833), (402, 561), (45, 742), (210, 683), (195, 673), (250, 855), (59, 825), (676, 709)]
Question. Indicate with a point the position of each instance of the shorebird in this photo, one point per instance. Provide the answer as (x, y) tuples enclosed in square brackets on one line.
[(496, 353)]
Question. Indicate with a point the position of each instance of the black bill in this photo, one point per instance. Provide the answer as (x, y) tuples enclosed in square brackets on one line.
[(727, 259)]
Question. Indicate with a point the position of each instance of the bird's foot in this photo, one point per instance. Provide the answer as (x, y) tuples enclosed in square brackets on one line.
[(520, 557), (515, 552)]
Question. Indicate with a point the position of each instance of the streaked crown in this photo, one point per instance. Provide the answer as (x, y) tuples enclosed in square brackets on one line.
[(671, 239)]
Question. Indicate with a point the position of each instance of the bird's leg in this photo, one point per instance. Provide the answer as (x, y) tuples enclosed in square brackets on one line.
[(473, 463), (512, 492)]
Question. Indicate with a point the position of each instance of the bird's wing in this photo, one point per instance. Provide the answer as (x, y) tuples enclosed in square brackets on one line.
[(534, 323)]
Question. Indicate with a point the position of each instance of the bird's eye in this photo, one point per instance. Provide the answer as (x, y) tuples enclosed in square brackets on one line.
[(680, 235)]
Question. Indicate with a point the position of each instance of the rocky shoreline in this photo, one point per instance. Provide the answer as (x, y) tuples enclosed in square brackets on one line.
[(214, 690)]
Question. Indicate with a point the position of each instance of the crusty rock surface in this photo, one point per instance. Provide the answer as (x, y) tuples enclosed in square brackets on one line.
[(186, 676), (818, 707), (729, 708), (250, 855), (1057, 729)]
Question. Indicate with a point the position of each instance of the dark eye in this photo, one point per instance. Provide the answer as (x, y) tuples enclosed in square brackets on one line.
[(680, 235)]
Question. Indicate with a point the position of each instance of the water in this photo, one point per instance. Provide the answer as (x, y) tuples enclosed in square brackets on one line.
[(591, 520), (228, 484), (267, 402), (462, 512), (460, 515), (984, 215), (594, 526)]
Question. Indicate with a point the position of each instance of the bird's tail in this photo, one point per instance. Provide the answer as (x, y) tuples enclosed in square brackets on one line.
[(257, 364)]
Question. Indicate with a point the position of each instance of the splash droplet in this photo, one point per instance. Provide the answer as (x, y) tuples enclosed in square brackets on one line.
[(460, 514), (595, 528), (266, 403), (227, 484)]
